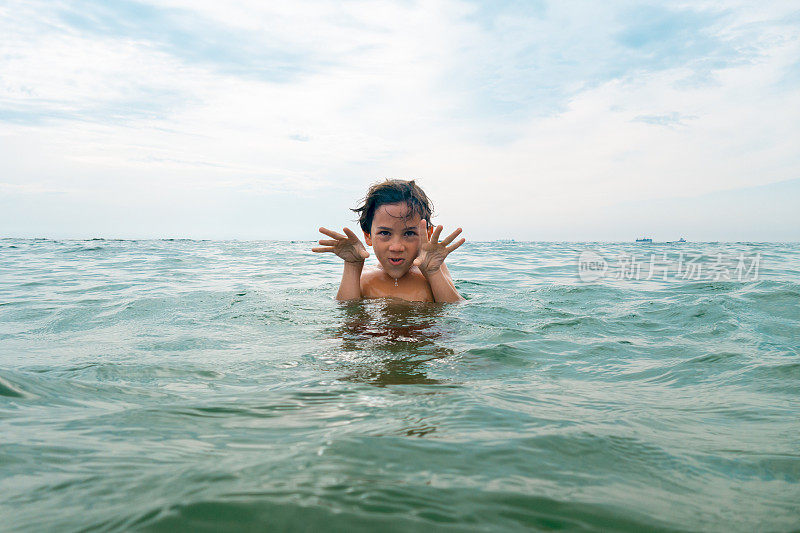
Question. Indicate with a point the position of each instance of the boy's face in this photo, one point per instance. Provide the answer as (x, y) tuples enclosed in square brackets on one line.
[(395, 238)]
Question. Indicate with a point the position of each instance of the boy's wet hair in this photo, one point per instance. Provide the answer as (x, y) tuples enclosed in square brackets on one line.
[(392, 192)]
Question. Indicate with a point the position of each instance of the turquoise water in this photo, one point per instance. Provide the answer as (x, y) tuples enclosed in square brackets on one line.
[(199, 385)]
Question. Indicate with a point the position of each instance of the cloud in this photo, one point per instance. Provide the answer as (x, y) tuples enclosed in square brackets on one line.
[(667, 119), (513, 112), (189, 36), (524, 62)]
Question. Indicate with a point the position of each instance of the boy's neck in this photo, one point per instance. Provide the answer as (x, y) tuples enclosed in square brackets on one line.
[(392, 279)]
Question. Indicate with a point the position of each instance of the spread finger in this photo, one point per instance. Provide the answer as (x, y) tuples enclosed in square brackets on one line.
[(333, 234), (452, 247), (350, 233), (450, 237), (423, 230), (436, 233)]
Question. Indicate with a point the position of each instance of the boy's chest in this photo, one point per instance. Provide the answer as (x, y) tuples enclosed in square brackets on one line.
[(411, 288)]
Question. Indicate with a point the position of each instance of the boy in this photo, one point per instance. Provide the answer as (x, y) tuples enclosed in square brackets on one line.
[(396, 220)]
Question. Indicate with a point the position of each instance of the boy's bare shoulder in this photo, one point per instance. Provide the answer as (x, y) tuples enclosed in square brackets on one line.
[(414, 287), (369, 279)]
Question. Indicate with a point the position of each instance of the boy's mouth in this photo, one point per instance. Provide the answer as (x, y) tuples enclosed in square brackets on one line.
[(396, 261)]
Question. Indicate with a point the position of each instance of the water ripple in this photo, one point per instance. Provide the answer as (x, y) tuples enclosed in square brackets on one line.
[(202, 385)]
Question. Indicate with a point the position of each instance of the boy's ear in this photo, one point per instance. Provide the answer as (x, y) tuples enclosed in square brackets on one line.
[(367, 238)]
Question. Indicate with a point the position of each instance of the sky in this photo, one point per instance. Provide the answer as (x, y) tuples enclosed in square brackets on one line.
[(528, 120)]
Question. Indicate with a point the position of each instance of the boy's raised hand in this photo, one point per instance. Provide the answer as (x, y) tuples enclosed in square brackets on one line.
[(432, 253), (348, 246)]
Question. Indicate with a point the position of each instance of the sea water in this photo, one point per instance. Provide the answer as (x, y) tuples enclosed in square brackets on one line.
[(200, 385)]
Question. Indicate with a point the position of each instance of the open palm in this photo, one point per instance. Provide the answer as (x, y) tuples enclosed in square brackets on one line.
[(347, 246), (432, 253)]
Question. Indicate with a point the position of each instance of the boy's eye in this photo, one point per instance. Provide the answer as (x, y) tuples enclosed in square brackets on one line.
[(410, 233), (383, 232)]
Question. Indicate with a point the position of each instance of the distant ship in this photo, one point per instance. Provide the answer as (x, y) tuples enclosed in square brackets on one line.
[(648, 239)]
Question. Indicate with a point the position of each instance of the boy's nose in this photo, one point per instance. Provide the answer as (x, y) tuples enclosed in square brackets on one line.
[(396, 247)]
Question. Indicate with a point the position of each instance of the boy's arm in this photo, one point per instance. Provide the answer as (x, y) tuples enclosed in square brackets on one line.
[(444, 269), (350, 287), (442, 287), (431, 262), (349, 248)]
